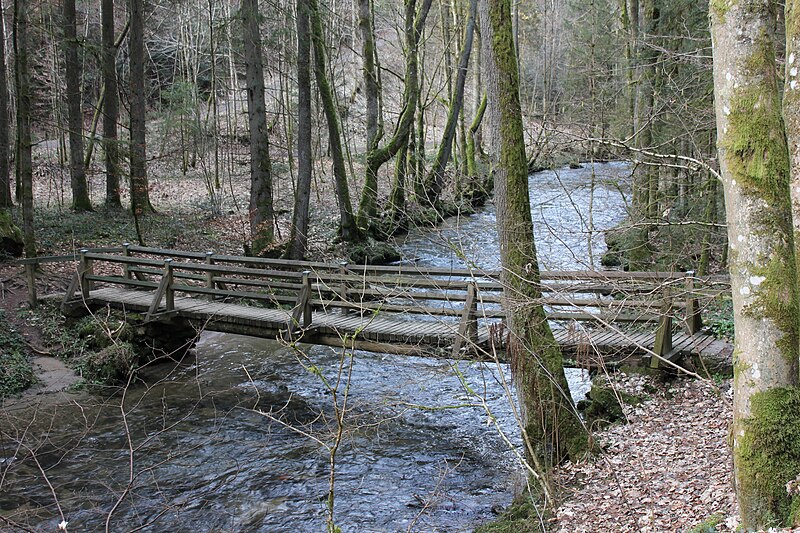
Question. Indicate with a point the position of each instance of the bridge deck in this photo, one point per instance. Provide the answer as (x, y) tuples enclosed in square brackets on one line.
[(384, 332)]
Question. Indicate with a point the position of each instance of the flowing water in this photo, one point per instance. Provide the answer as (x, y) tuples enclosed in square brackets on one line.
[(239, 437)]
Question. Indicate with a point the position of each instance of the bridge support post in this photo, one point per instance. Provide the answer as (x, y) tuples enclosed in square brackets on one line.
[(663, 342), (694, 321), (468, 326)]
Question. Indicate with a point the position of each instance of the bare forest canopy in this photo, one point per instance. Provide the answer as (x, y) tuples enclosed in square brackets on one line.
[(373, 117)]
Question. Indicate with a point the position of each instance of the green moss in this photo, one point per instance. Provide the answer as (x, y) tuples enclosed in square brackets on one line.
[(709, 525), (101, 351), (521, 517), (603, 404), (777, 300), (757, 153), (767, 457), (720, 7)]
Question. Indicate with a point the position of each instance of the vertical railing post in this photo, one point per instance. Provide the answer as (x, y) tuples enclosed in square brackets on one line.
[(306, 298), (694, 320), (663, 341), (301, 314), (345, 285), (468, 326), (30, 274), (169, 295), (85, 269), (210, 283), (126, 251)]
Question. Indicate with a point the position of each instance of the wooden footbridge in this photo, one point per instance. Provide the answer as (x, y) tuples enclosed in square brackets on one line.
[(598, 317)]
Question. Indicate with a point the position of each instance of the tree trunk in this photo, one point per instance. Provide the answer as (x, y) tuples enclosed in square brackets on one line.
[(552, 429), (298, 239), (436, 177), (368, 207), (347, 222), (5, 172), (261, 212), (140, 195), (754, 161), (80, 189), (371, 87), (23, 89), (110, 106)]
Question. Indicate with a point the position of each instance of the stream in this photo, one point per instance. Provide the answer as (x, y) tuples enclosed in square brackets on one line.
[(239, 437)]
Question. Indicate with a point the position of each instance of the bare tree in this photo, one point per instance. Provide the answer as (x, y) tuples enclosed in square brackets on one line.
[(298, 238), (261, 211), (110, 106), (22, 84), (140, 195), (80, 189)]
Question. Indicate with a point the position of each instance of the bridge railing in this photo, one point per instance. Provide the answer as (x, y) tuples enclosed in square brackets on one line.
[(465, 295)]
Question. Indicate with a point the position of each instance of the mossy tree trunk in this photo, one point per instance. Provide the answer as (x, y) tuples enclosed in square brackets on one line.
[(298, 237), (347, 222), (551, 424), (754, 161), (80, 189), (261, 210)]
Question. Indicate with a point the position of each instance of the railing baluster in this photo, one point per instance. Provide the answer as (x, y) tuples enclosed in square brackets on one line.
[(210, 283), (468, 326), (663, 341), (85, 269), (126, 251), (169, 295), (345, 285), (301, 314), (694, 320)]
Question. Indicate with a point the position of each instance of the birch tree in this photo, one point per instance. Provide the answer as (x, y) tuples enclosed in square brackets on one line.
[(754, 161), (5, 173)]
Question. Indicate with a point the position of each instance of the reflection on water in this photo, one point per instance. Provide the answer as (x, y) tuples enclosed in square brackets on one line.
[(419, 449)]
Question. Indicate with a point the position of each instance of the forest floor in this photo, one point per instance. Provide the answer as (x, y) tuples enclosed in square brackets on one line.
[(667, 469)]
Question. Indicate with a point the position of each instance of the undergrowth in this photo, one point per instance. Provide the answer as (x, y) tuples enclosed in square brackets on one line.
[(16, 372), (99, 348)]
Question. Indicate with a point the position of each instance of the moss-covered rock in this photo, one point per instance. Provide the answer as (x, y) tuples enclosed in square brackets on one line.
[(112, 364), (373, 253), (11, 241), (603, 403)]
